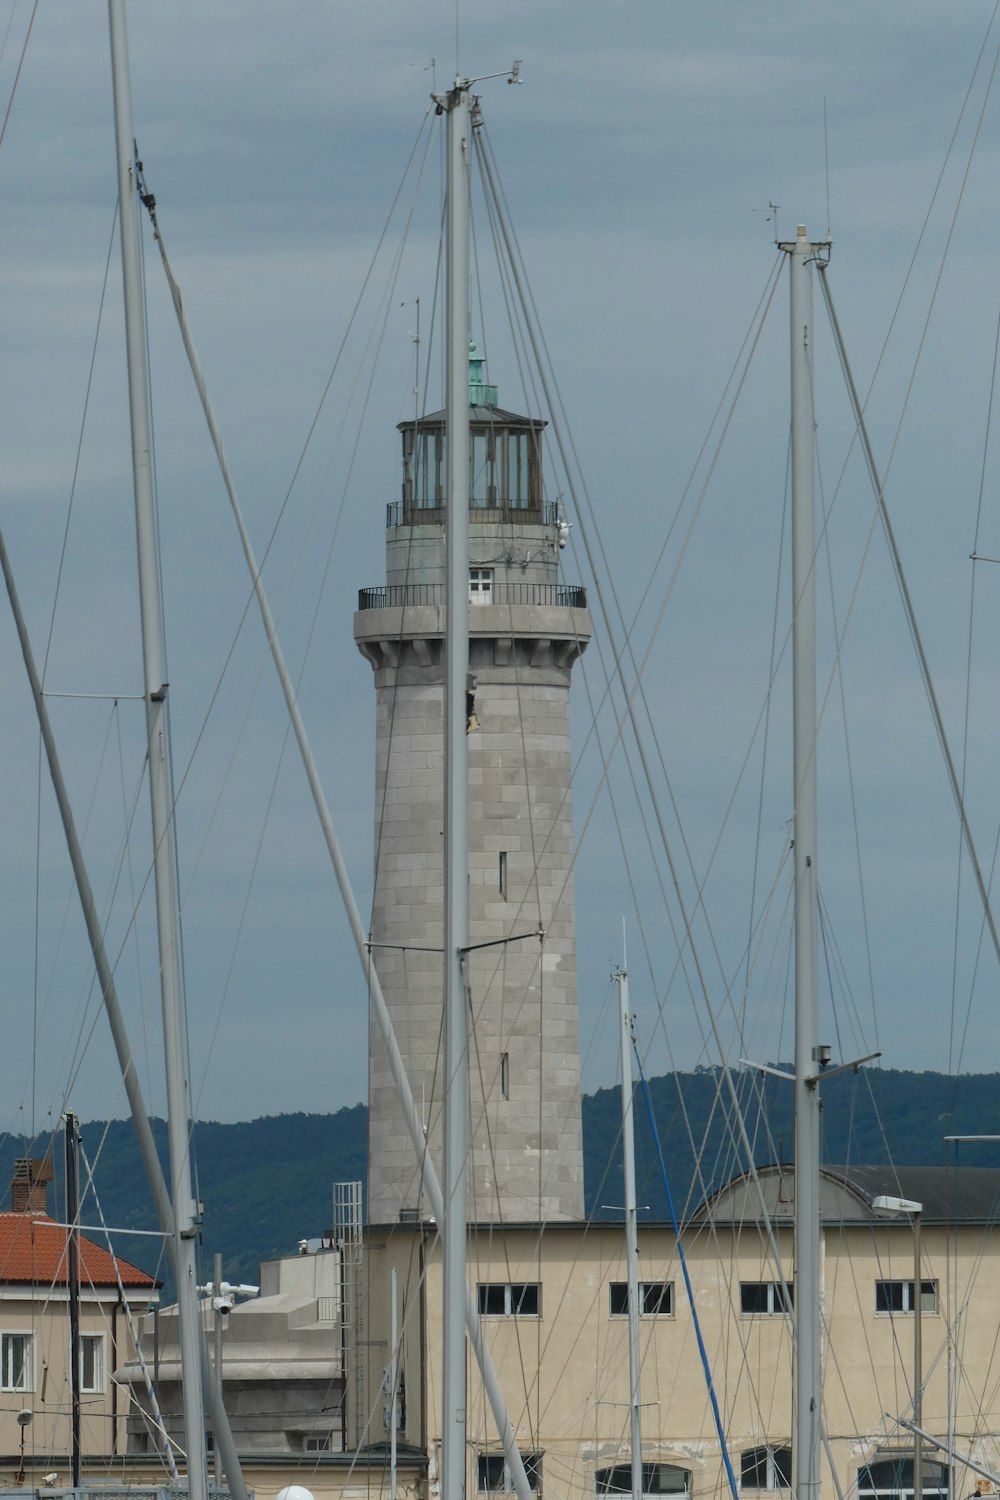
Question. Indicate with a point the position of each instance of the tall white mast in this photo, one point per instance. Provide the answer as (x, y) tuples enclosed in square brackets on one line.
[(456, 815), (160, 776), (807, 1313), (631, 1234)]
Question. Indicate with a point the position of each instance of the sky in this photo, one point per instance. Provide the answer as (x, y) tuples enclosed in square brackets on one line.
[(640, 158)]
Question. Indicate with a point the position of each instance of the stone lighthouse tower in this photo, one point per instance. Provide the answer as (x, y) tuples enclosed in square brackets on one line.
[(526, 630)]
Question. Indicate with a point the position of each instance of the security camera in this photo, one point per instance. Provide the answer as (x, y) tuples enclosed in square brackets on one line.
[(562, 532), (223, 1306)]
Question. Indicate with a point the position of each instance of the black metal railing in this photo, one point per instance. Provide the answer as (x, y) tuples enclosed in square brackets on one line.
[(398, 514), (399, 595)]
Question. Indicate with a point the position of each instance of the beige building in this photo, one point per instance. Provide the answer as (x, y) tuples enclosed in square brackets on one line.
[(554, 1306), (35, 1385)]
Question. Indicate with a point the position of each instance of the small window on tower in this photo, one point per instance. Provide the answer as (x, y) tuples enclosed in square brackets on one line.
[(505, 1074), (503, 874), (480, 585)]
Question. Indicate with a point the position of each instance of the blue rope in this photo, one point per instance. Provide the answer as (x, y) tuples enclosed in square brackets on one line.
[(734, 1490)]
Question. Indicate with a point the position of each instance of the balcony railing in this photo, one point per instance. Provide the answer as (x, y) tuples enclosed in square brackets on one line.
[(398, 514), (400, 595)]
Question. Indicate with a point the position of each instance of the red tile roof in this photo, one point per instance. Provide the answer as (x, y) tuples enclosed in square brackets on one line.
[(33, 1249)]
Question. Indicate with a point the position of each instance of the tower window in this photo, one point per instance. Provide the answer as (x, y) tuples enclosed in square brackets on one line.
[(505, 1075), (503, 873), (480, 585)]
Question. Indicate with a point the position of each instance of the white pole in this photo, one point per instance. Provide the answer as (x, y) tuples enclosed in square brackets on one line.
[(631, 1235), (160, 779), (456, 821), (807, 1397)]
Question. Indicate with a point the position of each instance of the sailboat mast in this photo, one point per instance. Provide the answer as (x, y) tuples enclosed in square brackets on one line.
[(456, 815), (807, 1312), (160, 775), (631, 1235)]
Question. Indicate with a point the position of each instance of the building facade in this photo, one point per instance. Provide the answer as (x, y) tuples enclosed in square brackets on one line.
[(526, 631), (554, 1305), (35, 1366)]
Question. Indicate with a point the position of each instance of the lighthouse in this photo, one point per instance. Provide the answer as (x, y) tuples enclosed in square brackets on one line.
[(526, 629)]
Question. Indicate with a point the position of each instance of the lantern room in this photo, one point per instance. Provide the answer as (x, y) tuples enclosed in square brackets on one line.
[(505, 462)]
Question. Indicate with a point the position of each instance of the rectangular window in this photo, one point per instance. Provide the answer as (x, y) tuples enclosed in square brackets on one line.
[(897, 1296), (318, 1442), (503, 874), (92, 1362), (493, 1475), (16, 1360), (505, 1075), (763, 1298), (657, 1479), (656, 1299), (509, 1299), (480, 585)]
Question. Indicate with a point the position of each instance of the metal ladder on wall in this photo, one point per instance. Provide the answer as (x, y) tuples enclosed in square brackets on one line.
[(348, 1239)]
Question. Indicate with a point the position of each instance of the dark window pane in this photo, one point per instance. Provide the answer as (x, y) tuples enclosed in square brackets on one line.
[(491, 1301), (657, 1298), (753, 1469), (665, 1479), (889, 1296), (783, 1468), (524, 1299), (753, 1296), (490, 1471), (618, 1300)]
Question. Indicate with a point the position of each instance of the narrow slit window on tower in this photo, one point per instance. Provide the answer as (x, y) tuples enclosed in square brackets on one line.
[(505, 1075), (503, 874)]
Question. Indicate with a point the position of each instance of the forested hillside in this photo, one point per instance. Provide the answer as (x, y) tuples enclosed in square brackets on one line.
[(266, 1183)]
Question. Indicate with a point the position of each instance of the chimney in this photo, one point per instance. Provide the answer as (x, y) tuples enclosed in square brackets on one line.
[(30, 1187)]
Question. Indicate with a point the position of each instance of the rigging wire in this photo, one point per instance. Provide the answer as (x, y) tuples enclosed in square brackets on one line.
[(20, 65)]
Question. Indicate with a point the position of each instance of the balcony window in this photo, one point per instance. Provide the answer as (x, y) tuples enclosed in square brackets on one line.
[(480, 585)]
